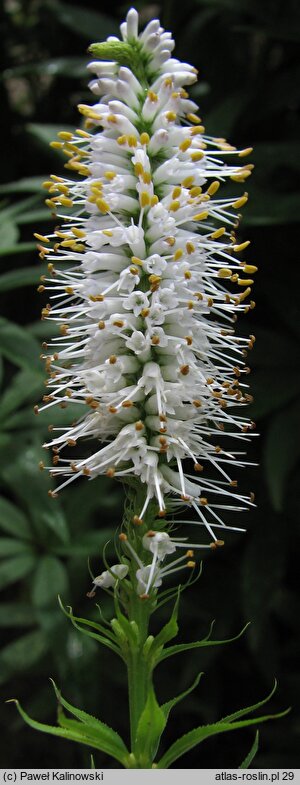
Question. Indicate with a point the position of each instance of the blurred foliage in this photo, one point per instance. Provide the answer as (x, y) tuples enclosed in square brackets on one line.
[(247, 55)]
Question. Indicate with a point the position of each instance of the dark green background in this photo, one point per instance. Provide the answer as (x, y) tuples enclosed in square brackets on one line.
[(248, 90)]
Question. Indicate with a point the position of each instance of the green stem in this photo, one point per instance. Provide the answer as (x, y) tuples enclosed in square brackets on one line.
[(138, 671)]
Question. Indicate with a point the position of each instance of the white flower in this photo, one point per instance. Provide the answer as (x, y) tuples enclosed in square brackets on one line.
[(109, 578), (146, 320)]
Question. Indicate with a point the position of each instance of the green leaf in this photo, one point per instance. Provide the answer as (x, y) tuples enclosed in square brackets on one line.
[(35, 216), (166, 634), (32, 489), (80, 624), (50, 580), (12, 520), (166, 707), (9, 234), (108, 738), (25, 185), (25, 651), (151, 725), (236, 715), (18, 346), (74, 67), (10, 547), (10, 250), (196, 736), (89, 24), (280, 462), (26, 276), (181, 647), (251, 754), (16, 614), (46, 133), (26, 385), (16, 568)]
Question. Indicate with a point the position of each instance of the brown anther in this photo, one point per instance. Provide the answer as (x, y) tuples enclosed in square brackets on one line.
[(145, 312), (139, 426), (190, 305), (112, 409), (90, 594), (233, 483), (198, 467), (55, 460), (197, 404), (203, 500), (110, 472), (218, 449), (137, 521), (144, 596), (188, 339), (52, 494), (112, 359), (118, 323), (185, 498), (41, 465), (185, 369), (189, 554), (155, 340), (101, 325), (71, 442), (150, 533), (162, 418), (252, 497), (162, 514), (74, 467), (36, 409), (162, 440), (123, 537)]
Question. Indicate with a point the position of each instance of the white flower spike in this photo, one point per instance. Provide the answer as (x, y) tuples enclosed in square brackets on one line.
[(143, 273)]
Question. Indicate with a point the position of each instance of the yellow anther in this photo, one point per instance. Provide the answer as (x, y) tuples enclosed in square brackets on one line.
[(171, 117), (56, 145), (41, 237), (102, 206), (133, 270), (245, 281), (144, 138), (82, 133), (111, 118), (154, 200), (47, 184), (184, 146), (78, 232), (193, 118), (176, 192), (250, 268), (50, 203), (84, 171), (178, 254), (197, 156), (174, 206), (241, 247), (121, 139), (132, 141), (240, 178), (144, 199), (200, 216), (65, 135), (213, 188), (218, 233), (244, 294), (191, 564), (196, 191), (65, 201), (146, 177), (246, 151), (87, 111), (190, 247), (188, 275), (152, 96), (198, 129), (170, 241), (136, 260), (101, 325), (138, 169), (110, 175), (188, 181), (240, 202), (118, 323), (154, 279), (107, 233), (224, 272)]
